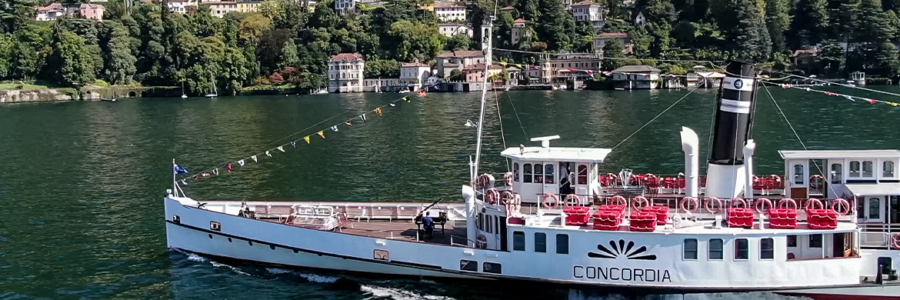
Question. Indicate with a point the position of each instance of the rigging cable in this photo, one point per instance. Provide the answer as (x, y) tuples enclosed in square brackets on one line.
[(654, 118), (500, 119)]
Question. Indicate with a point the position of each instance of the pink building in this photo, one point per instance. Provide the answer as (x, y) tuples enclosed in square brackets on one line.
[(91, 11)]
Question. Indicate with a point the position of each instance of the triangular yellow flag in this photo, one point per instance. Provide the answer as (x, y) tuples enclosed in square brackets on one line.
[(322, 134), (306, 138), (406, 99), (503, 63), (892, 103), (519, 65), (378, 111)]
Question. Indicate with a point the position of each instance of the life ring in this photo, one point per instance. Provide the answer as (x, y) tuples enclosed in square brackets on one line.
[(787, 203), (492, 196), (762, 205), (639, 202), (690, 200), (484, 181), (619, 200), (481, 241), (572, 197), (506, 197), (817, 182), (896, 241), (740, 201), (840, 206), (547, 198), (508, 178), (613, 179), (709, 207), (813, 204)]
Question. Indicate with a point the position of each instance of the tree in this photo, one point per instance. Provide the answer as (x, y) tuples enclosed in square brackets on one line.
[(831, 58), (751, 37), (120, 62), (253, 27), (458, 42), (777, 21), (276, 78), (612, 54), (810, 23), (554, 24), (70, 62), (288, 54)]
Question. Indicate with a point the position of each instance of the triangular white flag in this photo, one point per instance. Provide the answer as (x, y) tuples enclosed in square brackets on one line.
[(363, 117), (280, 148), (254, 158), (334, 128), (241, 162), (268, 154), (294, 143), (184, 182)]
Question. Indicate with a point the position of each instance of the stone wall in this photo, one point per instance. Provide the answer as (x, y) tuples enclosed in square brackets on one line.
[(48, 95)]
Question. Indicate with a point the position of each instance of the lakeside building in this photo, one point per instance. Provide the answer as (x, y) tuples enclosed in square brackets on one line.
[(182, 7), (600, 41), (55, 10), (518, 31), (587, 11), (636, 77), (345, 73), (414, 74), (345, 6), (450, 13), (459, 60), (451, 30), (566, 67)]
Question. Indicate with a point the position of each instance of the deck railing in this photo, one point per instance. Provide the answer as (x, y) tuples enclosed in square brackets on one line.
[(878, 235)]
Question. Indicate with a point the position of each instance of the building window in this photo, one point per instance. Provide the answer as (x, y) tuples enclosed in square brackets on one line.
[(690, 249), (518, 241), (741, 249), (767, 248), (798, 174), (837, 173), (562, 244), (792, 241), (540, 242), (815, 241), (715, 249), (868, 169), (887, 169), (854, 169)]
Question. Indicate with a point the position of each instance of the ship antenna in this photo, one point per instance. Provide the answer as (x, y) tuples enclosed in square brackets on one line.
[(486, 37)]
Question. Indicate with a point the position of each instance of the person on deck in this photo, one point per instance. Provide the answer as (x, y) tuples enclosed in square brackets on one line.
[(428, 223), (564, 184)]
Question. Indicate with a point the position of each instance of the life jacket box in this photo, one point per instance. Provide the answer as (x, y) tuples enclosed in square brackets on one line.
[(516, 220), (785, 218), (662, 213), (740, 217), (577, 215), (821, 218), (607, 219), (643, 221)]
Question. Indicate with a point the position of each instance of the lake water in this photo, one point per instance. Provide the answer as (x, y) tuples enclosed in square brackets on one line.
[(81, 183)]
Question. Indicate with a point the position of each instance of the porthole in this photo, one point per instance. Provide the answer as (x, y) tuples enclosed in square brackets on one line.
[(229, 240), (215, 226), (251, 243), (210, 236), (272, 247), (176, 219), (295, 250)]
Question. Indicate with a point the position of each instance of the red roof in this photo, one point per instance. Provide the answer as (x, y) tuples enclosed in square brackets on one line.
[(462, 54), (508, 8), (415, 64), (347, 57), (613, 35), (520, 20)]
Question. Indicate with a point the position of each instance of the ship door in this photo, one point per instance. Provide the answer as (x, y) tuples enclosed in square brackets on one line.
[(503, 234), (551, 185), (581, 181)]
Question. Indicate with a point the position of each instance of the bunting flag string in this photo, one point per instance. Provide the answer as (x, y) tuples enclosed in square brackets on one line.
[(845, 96), (241, 162)]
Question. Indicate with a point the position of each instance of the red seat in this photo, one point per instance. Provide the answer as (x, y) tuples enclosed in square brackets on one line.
[(643, 221), (785, 218), (740, 217), (662, 213), (607, 219), (821, 218), (577, 215)]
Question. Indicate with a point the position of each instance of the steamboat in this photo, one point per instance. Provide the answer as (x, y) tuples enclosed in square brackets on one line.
[(554, 218)]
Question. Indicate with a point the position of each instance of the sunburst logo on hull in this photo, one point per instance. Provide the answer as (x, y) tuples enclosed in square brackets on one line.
[(622, 250)]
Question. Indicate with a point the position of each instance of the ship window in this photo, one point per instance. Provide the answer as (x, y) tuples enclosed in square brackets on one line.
[(798, 174), (815, 241), (741, 249), (715, 249), (887, 169), (582, 174), (540, 242), (526, 173), (792, 241), (518, 241), (562, 244), (538, 173), (767, 248), (548, 175), (868, 169), (489, 223), (516, 172), (837, 173), (854, 169), (874, 208), (690, 249)]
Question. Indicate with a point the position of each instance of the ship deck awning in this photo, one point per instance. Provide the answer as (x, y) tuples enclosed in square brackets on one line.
[(873, 189), (838, 154), (560, 154)]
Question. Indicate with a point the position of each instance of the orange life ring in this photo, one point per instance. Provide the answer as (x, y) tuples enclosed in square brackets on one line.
[(762, 205), (571, 197), (639, 202), (693, 201), (787, 203), (709, 208), (492, 196), (813, 203), (484, 181), (842, 204), (547, 198), (481, 241), (817, 182), (508, 178), (896, 241), (740, 201), (506, 197), (619, 200)]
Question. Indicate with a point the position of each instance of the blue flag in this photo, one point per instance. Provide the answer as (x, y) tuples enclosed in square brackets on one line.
[(180, 170)]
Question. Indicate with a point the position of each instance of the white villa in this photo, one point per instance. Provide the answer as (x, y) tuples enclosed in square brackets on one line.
[(345, 73)]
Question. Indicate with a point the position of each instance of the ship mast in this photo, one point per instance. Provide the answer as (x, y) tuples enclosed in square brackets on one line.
[(486, 36)]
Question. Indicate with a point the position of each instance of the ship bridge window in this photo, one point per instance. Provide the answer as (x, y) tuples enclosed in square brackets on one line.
[(538, 173), (516, 172), (837, 173), (868, 169), (562, 244), (715, 249), (854, 169), (690, 249), (582, 174), (767, 248), (741, 249), (518, 241), (815, 241), (526, 173), (548, 175), (798, 174), (540, 242), (887, 169)]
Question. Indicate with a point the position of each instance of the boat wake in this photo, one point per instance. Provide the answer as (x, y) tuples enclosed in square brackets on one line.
[(397, 294)]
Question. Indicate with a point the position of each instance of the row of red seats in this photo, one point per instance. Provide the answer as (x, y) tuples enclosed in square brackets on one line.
[(653, 181)]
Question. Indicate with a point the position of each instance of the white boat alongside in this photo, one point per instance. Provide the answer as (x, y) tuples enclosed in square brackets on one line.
[(732, 231)]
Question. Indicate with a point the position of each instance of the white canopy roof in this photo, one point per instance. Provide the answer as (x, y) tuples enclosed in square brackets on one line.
[(831, 154), (561, 154), (873, 189)]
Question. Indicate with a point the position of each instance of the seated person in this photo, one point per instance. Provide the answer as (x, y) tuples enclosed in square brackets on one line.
[(428, 223)]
